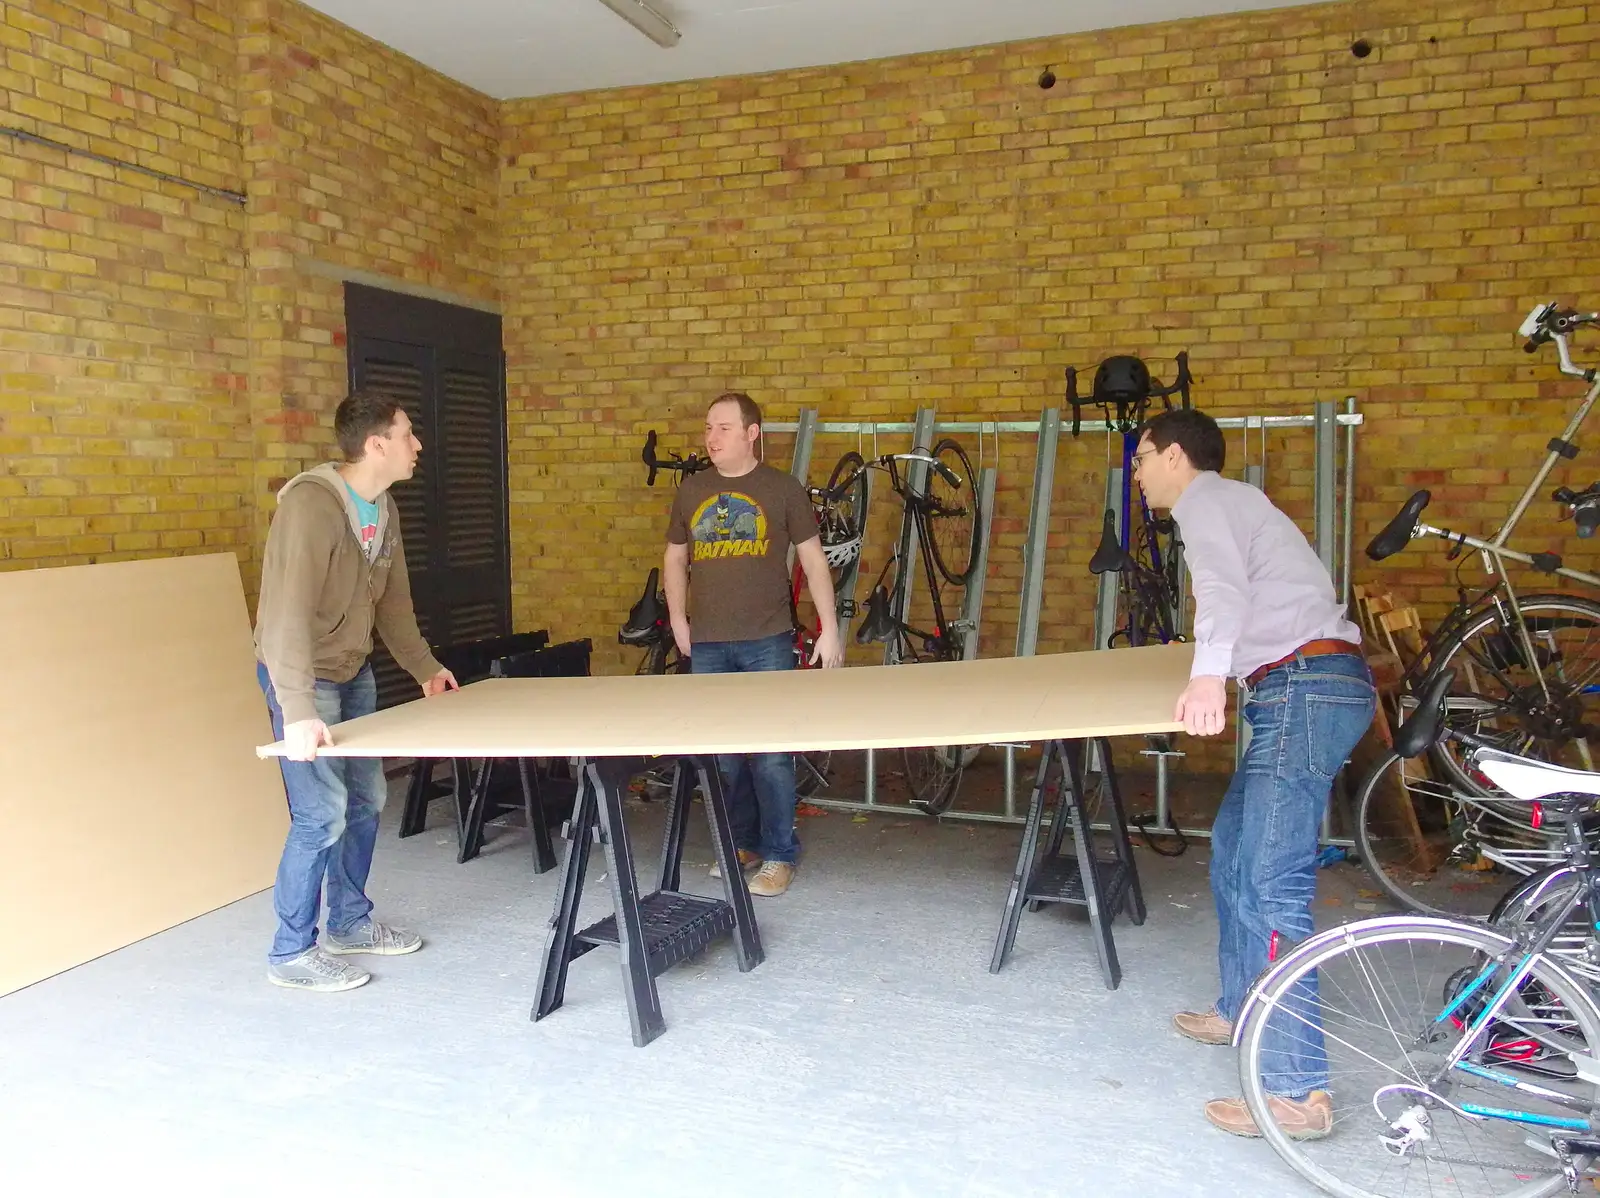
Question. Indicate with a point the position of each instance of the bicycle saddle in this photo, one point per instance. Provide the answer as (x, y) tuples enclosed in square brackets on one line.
[(648, 616), (1534, 779), (1392, 538), (877, 624), (1109, 557)]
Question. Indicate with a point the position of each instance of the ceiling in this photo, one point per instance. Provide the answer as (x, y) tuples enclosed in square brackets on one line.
[(513, 48)]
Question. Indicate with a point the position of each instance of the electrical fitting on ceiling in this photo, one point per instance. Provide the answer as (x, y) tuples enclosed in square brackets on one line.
[(646, 20)]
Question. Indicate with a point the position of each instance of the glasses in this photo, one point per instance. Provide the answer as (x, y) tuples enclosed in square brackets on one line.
[(1139, 458)]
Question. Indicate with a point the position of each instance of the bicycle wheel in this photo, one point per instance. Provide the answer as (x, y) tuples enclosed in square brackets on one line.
[(849, 507), (1154, 590), (1509, 706), (810, 773), (1535, 898), (1458, 856), (1367, 1009), (933, 772), (953, 517)]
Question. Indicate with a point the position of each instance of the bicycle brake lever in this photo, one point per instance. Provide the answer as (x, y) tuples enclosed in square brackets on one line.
[(649, 457)]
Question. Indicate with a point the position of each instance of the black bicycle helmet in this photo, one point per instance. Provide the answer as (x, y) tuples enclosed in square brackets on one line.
[(1123, 378)]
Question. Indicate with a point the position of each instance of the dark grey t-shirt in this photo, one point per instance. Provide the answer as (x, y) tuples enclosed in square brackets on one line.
[(739, 531)]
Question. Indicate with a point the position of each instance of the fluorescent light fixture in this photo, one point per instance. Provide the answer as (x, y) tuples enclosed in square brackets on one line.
[(646, 20)]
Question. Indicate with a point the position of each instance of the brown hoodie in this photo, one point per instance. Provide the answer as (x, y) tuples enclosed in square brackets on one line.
[(323, 593)]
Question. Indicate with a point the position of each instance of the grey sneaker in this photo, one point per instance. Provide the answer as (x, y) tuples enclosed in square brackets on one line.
[(315, 970), (373, 937)]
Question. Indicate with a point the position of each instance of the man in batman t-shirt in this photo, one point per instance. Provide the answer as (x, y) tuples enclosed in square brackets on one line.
[(732, 526)]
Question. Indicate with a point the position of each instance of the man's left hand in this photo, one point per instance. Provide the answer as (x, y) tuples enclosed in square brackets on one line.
[(1203, 706), (829, 650), (443, 681)]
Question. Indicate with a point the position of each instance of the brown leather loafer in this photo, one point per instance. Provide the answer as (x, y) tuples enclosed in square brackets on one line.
[(1308, 1118), (1205, 1027)]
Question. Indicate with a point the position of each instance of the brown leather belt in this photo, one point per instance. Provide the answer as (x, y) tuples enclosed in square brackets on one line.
[(1309, 649)]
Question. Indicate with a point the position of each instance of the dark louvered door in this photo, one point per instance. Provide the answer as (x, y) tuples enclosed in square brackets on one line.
[(471, 440), (406, 373), (443, 363)]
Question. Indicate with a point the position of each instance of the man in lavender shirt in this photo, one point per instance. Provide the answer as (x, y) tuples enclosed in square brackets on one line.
[(1265, 613)]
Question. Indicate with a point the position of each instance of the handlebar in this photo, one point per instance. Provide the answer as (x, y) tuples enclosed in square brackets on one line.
[(1546, 323), (684, 466), (1132, 410), (1583, 506)]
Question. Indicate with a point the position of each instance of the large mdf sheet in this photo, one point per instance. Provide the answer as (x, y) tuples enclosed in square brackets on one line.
[(130, 795), (1111, 692)]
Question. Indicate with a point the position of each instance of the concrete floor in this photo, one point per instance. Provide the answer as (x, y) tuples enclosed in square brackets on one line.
[(871, 1054)]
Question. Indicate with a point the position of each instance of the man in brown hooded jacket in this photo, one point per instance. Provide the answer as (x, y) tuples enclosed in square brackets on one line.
[(333, 572)]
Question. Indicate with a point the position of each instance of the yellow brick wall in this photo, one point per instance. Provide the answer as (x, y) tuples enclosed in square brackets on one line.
[(167, 356), (939, 230), (122, 431), (358, 158), (860, 239)]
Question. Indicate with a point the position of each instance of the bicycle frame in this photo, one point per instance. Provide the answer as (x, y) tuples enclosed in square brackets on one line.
[(1543, 324), (1151, 577)]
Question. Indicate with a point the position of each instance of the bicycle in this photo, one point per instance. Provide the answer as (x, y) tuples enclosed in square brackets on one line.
[(1443, 1020), (1530, 662), (1146, 555), (939, 501)]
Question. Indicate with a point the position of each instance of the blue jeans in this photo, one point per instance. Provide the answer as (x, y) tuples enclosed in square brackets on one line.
[(1305, 718), (333, 823), (759, 786)]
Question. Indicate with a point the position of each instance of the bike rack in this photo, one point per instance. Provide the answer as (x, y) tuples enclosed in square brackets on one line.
[(1333, 506), (922, 431)]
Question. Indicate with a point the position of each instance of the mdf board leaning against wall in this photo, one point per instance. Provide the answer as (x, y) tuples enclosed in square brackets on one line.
[(131, 798)]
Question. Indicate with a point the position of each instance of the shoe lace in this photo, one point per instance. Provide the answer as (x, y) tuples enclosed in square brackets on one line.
[(326, 965)]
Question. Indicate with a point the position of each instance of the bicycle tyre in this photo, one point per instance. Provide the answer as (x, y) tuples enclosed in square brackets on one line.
[(1476, 939), (1552, 607), (955, 529), (810, 773), (1551, 887), (851, 467), (1378, 861), (933, 772)]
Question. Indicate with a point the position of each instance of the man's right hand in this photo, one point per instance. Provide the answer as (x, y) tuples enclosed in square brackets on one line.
[(680, 634), (302, 739)]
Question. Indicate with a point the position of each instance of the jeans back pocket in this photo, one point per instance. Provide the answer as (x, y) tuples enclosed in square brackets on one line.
[(1334, 726)]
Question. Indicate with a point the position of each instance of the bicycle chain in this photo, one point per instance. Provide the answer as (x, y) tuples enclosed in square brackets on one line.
[(1476, 1162)]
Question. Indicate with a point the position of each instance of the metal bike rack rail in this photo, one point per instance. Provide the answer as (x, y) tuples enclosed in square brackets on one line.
[(1333, 509)]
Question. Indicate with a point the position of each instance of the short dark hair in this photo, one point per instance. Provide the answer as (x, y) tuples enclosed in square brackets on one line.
[(1195, 432), (749, 409), (363, 413)]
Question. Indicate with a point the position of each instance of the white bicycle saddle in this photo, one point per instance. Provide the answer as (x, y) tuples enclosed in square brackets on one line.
[(1534, 779)]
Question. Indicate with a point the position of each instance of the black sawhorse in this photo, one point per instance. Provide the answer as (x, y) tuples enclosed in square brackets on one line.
[(474, 796), (473, 805), (655, 931), (1103, 885)]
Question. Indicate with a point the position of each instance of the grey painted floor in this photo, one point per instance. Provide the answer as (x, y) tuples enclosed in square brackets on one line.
[(872, 1053)]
